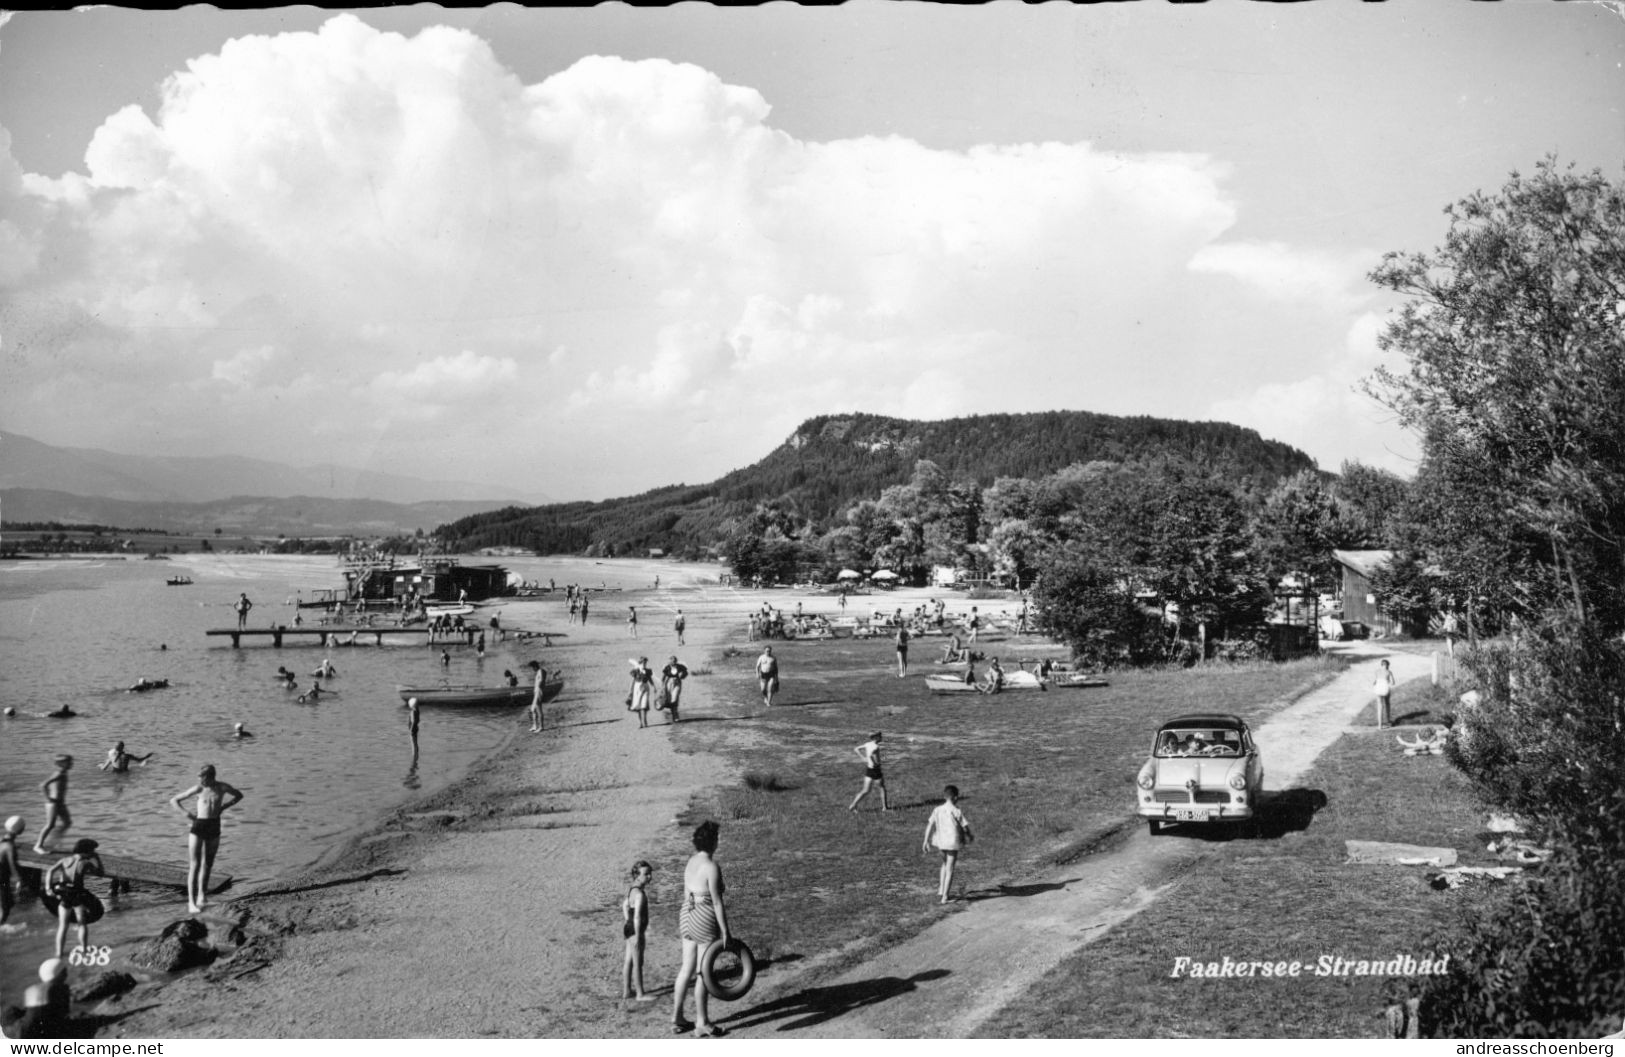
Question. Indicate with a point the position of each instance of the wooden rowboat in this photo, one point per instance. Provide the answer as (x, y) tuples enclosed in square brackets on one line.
[(1077, 680), (464, 695), (955, 684)]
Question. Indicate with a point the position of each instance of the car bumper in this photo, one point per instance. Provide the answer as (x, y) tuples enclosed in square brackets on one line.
[(1188, 812)]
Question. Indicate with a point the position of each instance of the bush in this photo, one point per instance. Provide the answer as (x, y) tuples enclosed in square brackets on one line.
[(1546, 742)]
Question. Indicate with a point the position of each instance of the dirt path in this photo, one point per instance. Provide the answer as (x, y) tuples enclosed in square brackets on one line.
[(950, 979)]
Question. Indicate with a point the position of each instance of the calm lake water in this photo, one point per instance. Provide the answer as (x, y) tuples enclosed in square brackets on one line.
[(80, 632)]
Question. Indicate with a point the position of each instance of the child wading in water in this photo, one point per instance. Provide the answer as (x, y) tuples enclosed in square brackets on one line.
[(948, 831), (634, 925)]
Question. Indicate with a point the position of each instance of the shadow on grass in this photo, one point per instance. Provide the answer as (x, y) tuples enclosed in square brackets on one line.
[(1005, 891), (815, 1005)]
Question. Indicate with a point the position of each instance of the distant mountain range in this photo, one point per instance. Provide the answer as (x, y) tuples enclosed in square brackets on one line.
[(296, 516), (28, 463), (86, 486), (833, 461)]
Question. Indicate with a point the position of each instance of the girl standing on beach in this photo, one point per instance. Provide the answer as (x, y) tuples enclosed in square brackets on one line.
[(948, 831), (634, 926), (643, 681), (701, 921)]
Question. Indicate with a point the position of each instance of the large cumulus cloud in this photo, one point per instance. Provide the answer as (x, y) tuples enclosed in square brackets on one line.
[(623, 274)]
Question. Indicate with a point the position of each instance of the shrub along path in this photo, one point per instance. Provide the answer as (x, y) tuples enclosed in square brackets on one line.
[(953, 976)]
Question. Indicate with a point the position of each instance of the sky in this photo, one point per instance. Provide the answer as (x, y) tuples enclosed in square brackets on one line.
[(588, 252)]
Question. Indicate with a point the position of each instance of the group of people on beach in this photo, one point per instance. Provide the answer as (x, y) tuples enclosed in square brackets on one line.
[(702, 918), (63, 890)]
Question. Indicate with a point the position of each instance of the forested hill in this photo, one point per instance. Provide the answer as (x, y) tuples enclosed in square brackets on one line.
[(833, 461)]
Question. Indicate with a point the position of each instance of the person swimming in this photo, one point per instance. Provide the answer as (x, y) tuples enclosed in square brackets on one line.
[(144, 684), (118, 761), (239, 731)]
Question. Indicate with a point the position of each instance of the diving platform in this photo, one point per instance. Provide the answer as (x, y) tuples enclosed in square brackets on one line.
[(119, 869)]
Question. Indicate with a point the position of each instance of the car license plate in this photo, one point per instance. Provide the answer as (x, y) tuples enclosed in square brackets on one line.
[(1190, 815)]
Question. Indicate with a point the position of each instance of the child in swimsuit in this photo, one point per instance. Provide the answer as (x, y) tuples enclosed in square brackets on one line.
[(55, 789), (74, 902), (634, 927)]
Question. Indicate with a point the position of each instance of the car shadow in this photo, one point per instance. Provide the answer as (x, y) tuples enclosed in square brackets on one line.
[(815, 1005), (1277, 813)]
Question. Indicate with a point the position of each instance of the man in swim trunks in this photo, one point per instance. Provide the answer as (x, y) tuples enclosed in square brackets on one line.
[(902, 651), (767, 675), (536, 696), (412, 718), (213, 798), (632, 621), (678, 625), (872, 774), (55, 789), (242, 605)]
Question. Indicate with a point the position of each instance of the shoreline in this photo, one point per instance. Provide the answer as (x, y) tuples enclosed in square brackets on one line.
[(331, 903)]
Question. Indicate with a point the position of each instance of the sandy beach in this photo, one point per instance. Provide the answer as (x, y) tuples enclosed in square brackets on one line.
[(492, 908)]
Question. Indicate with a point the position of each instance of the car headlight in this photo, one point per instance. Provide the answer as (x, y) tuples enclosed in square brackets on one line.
[(1147, 777), (1238, 780)]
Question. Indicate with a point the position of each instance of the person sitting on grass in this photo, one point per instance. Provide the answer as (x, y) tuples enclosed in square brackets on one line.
[(995, 678)]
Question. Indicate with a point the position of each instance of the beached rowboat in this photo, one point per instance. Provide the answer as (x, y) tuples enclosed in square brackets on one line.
[(1077, 680), (448, 694), (955, 684)]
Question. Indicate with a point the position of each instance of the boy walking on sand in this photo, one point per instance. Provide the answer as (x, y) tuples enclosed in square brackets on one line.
[(948, 831), (872, 774), (678, 625)]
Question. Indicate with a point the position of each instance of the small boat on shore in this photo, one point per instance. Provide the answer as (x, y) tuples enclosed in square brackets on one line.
[(955, 684), (1077, 680), (464, 695)]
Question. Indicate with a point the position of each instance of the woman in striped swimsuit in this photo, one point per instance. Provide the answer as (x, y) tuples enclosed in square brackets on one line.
[(701, 921)]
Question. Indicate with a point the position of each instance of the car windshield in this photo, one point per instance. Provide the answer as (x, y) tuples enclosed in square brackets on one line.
[(1199, 741)]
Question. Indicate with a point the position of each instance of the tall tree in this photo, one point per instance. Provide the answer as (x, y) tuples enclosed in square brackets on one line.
[(1297, 529), (1515, 334)]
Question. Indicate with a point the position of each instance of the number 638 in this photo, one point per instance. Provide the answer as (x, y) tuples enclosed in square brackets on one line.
[(90, 955)]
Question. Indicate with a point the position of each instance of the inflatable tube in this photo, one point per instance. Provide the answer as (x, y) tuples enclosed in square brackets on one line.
[(747, 970)]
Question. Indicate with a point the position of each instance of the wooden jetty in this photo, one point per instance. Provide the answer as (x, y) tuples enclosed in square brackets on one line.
[(321, 631), (120, 870), (378, 631)]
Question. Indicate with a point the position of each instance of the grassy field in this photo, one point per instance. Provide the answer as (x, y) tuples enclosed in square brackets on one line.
[(1045, 777), (1293, 898)]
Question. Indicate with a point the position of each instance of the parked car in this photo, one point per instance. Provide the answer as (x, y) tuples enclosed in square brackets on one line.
[(1203, 768)]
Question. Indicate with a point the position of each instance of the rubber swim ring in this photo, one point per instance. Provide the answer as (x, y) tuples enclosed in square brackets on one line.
[(747, 970)]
